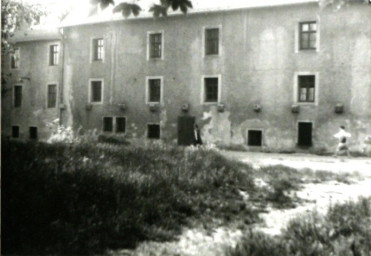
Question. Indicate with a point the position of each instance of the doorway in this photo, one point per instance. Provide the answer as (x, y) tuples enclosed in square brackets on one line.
[(185, 130), (305, 134)]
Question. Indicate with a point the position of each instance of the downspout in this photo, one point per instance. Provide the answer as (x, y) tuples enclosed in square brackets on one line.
[(61, 91)]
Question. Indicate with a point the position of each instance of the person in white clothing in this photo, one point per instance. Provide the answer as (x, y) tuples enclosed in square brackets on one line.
[(342, 136)]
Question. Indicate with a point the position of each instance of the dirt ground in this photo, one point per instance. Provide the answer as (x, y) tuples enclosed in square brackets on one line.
[(318, 197)]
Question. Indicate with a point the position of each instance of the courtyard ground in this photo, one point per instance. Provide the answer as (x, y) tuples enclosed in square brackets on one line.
[(316, 197)]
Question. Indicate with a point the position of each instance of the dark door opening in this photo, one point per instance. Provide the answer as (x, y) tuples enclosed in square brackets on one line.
[(254, 138), (305, 134), (185, 130)]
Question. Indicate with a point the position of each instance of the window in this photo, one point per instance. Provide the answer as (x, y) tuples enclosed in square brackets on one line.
[(107, 124), (211, 89), (98, 49), (96, 91), (153, 131), (254, 138), (15, 59), (52, 96), (53, 55), (212, 41), (33, 133), (154, 90), (17, 96), (120, 124), (15, 131), (306, 88), (308, 35), (155, 45)]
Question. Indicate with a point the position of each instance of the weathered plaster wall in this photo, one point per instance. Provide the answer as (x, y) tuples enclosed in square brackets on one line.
[(34, 63), (258, 64)]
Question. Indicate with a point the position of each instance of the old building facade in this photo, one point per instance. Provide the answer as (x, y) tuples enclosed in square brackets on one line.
[(268, 78)]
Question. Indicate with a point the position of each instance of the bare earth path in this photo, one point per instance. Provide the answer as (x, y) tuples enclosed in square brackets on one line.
[(319, 196)]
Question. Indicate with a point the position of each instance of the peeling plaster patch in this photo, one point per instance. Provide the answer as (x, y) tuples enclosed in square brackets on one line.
[(218, 130), (206, 115), (163, 117), (37, 112)]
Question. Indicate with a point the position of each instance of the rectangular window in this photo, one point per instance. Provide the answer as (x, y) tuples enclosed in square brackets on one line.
[(154, 90), (15, 131), (155, 45), (98, 49), (254, 138), (17, 96), (15, 59), (211, 89), (308, 35), (33, 133), (153, 131), (120, 124), (52, 96), (53, 55), (306, 88), (212, 41), (96, 91), (107, 124)]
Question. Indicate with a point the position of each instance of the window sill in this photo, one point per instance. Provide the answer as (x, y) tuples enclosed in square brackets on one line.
[(95, 103), (306, 103), (210, 103)]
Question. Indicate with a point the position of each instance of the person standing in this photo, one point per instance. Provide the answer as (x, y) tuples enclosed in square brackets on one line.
[(197, 135), (342, 136)]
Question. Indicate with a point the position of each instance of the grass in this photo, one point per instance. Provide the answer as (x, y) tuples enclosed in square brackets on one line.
[(345, 230)]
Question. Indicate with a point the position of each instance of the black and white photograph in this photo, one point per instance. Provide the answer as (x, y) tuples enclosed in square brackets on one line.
[(186, 127)]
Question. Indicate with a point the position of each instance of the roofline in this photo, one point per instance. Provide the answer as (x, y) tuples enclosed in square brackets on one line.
[(36, 35), (196, 12)]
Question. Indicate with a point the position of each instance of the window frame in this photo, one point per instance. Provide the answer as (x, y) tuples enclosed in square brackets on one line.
[(147, 94), (56, 95), (90, 91), (19, 59), (203, 89), (51, 54), (149, 33), (14, 96), (316, 88), (94, 50), (159, 135), (309, 32), (204, 41)]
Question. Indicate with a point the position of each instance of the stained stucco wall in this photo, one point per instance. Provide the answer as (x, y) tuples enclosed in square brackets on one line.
[(258, 63), (34, 64)]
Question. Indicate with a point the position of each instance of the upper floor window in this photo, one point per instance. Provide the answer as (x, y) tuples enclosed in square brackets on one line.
[(155, 45), (96, 91), (98, 49), (308, 35), (52, 96), (54, 55), (17, 96), (154, 90), (212, 41), (306, 90), (211, 89), (15, 59)]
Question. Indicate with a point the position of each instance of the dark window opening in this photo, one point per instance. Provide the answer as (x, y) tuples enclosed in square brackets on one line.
[(155, 45), (52, 95), (306, 88), (212, 41), (17, 96), (15, 131), (33, 133), (120, 124), (305, 134), (107, 124), (211, 89), (98, 49), (254, 138), (154, 90), (308, 35), (96, 91), (53, 55), (153, 131)]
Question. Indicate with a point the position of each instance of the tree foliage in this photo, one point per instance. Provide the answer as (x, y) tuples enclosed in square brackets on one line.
[(16, 15), (337, 4)]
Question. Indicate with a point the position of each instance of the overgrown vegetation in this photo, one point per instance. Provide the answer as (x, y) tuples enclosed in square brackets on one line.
[(345, 230)]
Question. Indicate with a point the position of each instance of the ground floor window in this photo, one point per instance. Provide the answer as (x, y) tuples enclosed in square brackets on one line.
[(153, 131), (254, 138), (15, 131), (107, 124), (33, 133), (120, 124), (305, 134)]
